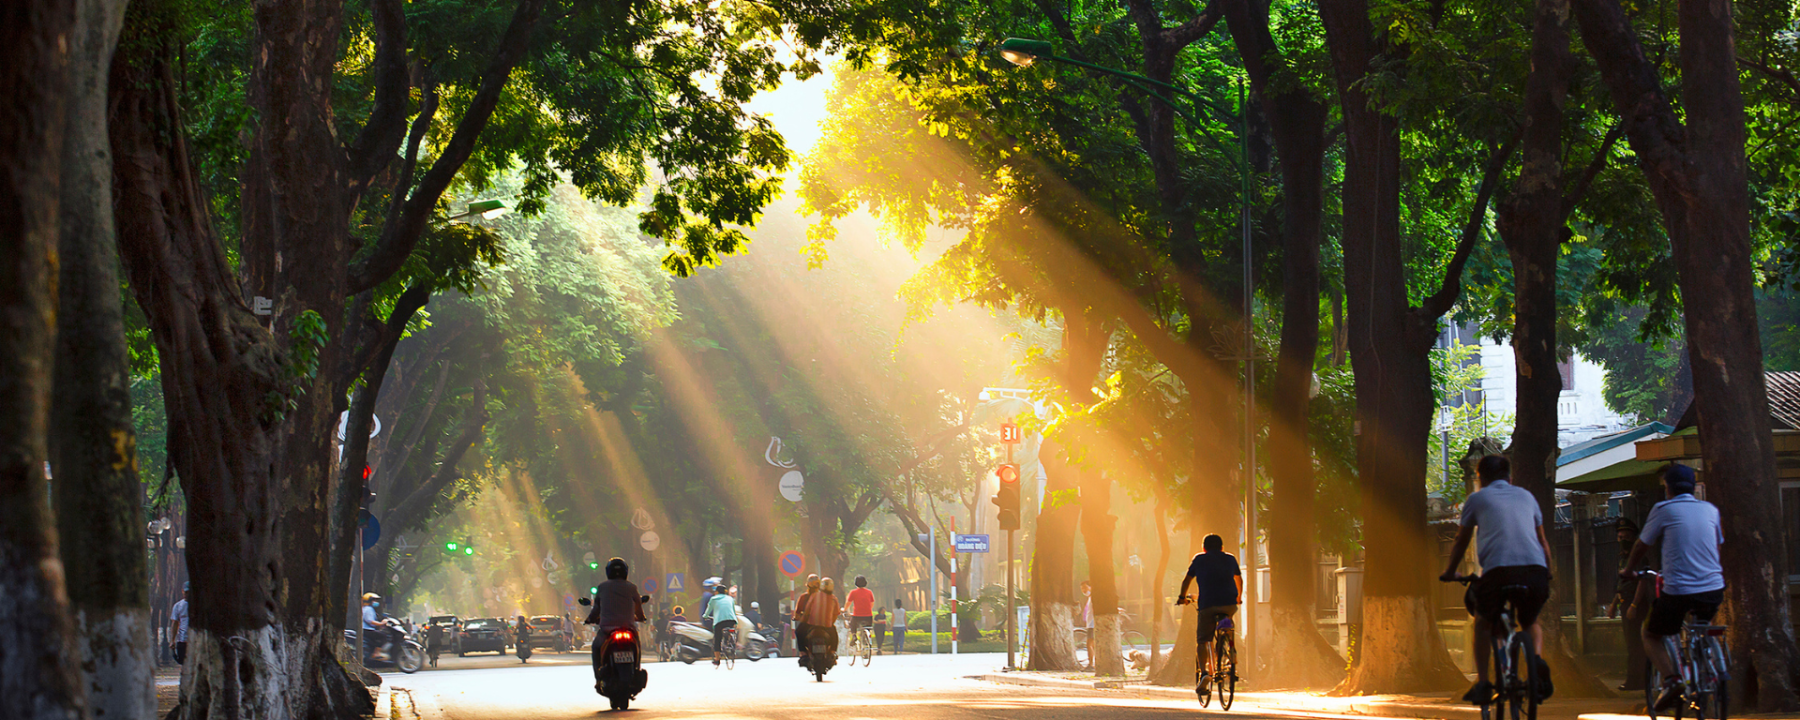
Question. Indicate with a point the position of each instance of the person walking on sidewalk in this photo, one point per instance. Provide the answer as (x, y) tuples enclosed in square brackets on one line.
[(881, 626), (1508, 529), (899, 626), (1633, 599), (178, 626)]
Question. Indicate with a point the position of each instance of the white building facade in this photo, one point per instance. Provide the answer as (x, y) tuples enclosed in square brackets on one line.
[(1581, 410)]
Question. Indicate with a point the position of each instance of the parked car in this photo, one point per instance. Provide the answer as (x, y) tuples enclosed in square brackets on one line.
[(452, 626), (484, 635), (548, 632)]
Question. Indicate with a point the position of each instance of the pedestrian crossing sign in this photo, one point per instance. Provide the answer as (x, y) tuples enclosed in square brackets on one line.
[(673, 583)]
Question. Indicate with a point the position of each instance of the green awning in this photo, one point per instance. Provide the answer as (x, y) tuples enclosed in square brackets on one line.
[(1643, 475)]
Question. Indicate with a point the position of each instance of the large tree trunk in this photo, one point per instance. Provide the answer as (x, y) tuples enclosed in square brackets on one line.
[(1402, 650), (1053, 567), (1097, 523), (1531, 225), (1298, 121), (98, 494), (38, 653), (1696, 174)]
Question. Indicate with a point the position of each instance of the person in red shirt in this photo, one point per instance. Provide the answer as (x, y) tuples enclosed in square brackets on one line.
[(860, 605)]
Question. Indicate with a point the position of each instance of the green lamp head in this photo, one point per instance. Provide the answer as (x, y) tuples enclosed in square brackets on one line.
[(1023, 52)]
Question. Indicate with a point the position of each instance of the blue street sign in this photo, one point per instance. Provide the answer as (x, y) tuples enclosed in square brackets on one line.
[(371, 533), (971, 543), (673, 583), (649, 585)]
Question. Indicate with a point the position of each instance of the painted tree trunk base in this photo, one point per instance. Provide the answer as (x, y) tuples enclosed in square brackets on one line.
[(118, 664), (1402, 651), (1568, 672), (1177, 668), (1107, 656), (1298, 656), (253, 675), (1053, 638)]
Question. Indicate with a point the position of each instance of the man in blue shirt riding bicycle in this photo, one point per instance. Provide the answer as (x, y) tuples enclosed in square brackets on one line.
[(1688, 530), (1508, 530), (1218, 587)]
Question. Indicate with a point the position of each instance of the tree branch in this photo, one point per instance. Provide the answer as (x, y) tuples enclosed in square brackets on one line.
[(420, 498), (397, 239), (1593, 169), (380, 136), (1441, 301)]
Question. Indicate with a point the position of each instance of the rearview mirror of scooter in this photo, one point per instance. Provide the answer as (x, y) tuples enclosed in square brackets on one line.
[(643, 598), (584, 602)]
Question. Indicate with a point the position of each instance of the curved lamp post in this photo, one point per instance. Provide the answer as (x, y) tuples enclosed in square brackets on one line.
[(1024, 52)]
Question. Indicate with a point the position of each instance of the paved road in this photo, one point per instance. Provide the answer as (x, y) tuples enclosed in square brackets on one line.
[(912, 687)]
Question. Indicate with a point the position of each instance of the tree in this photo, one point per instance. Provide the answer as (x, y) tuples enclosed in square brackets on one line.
[(1696, 172), (93, 444), (1390, 340), (1297, 121), (38, 666)]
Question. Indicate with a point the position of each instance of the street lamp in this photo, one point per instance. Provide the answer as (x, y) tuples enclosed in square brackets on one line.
[(487, 209), (1023, 52)]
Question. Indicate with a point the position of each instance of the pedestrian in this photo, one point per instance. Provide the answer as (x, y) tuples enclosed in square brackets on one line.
[(1087, 621), (1633, 598), (881, 625), (178, 626), (434, 640), (899, 626)]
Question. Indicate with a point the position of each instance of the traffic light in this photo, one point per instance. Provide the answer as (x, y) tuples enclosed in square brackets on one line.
[(452, 547), (1008, 497), (594, 565), (595, 590), (468, 549)]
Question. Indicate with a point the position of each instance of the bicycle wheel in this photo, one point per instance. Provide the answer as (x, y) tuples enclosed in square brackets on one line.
[(1512, 689), (868, 647), (1709, 687), (1225, 670)]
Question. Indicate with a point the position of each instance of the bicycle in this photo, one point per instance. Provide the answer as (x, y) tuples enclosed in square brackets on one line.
[(1224, 678), (1510, 643), (862, 645), (1702, 665), (728, 648)]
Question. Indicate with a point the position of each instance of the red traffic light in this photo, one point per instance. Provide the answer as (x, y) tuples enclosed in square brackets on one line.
[(366, 471), (1008, 474)]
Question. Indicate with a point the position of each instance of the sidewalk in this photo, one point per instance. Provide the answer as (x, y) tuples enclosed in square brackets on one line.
[(1433, 706)]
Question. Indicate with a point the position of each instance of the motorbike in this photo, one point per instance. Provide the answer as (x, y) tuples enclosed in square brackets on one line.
[(823, 655), (406, 654), (618, 665), (696, 641)]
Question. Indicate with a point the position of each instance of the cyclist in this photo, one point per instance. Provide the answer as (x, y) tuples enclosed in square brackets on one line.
[(1688, 530), (1512, 550), (859, 604), (1218, 589), (723, 612)]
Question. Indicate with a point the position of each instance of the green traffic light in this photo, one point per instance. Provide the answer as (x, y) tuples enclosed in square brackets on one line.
[(451, 546), (595, 590), (593, 566), (468, 550)]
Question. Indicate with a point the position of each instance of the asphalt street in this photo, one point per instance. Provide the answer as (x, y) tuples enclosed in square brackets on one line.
[(561, 687)]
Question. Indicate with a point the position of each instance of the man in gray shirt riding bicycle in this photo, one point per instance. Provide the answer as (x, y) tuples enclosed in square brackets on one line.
[(1508, 528), (1688, 530)]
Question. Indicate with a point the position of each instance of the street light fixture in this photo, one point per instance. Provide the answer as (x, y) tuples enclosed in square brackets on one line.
[(1023, 52), (487, 209)]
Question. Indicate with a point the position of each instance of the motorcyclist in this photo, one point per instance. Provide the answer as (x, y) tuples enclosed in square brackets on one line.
[(617, 604), (821, 616), (799, 618), (523, 643), (378, 631)]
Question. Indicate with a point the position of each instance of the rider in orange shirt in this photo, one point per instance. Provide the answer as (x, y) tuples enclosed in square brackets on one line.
[(860, 605)]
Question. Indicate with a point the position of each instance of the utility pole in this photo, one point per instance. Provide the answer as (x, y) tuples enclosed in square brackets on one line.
[(1008, 501), (1249, 474)]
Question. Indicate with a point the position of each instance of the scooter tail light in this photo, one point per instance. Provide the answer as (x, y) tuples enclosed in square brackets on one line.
[(621, 635), (1716, 631)]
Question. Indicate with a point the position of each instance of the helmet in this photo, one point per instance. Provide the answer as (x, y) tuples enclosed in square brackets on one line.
[(755, 606), (678, 610), (370, 596), (812, 582), (827, 585), (616, 569)]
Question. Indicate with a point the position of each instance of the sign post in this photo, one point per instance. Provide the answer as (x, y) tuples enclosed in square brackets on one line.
[(1009, 436)]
